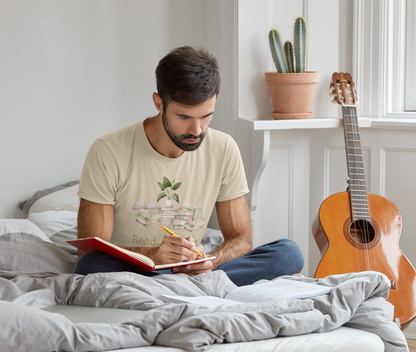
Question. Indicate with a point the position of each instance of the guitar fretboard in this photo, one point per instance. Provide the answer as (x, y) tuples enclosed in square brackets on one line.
[(355, 165)]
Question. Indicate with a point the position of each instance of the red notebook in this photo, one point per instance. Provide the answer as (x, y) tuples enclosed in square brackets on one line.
[(137, 260)]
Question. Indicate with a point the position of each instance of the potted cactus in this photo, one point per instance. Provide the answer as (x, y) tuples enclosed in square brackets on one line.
[(291, 88)]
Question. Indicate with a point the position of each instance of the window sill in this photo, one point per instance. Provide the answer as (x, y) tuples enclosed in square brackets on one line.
[(326, 122), (394, 123), (313, 123)]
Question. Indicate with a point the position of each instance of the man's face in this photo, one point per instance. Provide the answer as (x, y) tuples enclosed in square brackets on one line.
[(186, 126)]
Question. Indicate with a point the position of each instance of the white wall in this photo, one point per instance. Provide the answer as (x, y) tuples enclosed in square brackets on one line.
[(71, 71)]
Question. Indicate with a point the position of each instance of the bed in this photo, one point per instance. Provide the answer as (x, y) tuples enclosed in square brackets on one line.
[(44, 307)]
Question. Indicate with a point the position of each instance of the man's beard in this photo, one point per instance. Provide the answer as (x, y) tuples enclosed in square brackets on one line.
[(179, 141)]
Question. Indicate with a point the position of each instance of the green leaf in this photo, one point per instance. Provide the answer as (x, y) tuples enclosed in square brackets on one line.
[(166, 182), (175, 197), (160, 196), (176, 186), (162, 187)]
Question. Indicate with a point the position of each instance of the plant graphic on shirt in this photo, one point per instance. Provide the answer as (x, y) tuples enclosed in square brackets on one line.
[(167, 189)]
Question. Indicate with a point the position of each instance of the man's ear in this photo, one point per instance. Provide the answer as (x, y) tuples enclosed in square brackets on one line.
[(157, 100)]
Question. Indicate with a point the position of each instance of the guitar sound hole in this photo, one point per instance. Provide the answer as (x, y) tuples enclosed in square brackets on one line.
[(362, 231)]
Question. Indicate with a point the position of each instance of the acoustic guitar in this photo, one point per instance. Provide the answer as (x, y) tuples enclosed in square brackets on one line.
[(359, 231)]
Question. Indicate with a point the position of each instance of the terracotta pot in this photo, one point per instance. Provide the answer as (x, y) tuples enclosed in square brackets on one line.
[(291, 94)]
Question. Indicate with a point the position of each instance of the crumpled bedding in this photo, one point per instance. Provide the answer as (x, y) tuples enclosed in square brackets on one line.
[(357, 300)]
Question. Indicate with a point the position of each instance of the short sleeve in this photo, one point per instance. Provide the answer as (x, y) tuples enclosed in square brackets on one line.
[(100, 175), (234, 182)]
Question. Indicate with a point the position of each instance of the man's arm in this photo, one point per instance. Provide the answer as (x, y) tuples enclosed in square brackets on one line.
[(235, 224), (95, 220)]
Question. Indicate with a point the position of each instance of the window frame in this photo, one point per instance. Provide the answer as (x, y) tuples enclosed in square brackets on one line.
[(410, 91), (379, 59)]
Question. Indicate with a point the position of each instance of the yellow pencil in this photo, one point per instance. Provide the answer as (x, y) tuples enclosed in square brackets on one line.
[(173, 234)]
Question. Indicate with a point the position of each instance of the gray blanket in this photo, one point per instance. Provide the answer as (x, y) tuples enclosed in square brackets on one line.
[(357, 300)]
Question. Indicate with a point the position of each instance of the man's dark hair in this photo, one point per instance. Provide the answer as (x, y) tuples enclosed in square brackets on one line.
[(187, 76)]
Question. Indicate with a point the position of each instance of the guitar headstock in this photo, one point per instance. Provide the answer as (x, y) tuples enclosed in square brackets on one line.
[(342, 89)]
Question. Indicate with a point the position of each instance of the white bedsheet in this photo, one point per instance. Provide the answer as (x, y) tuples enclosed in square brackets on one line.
[(342, 339)]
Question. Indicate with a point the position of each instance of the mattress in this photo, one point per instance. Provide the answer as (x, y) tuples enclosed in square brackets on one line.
[(342, 339)]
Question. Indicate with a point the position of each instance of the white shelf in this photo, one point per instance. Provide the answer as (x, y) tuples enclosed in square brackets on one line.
[(270, 124), (394, 123)]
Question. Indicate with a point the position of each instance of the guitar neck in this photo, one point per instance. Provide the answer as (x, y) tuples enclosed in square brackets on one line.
[(355, 165)]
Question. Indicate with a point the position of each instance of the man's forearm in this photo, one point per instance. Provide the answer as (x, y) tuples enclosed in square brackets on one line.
[(232, 248)]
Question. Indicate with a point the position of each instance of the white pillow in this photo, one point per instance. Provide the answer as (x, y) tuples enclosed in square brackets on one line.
[(8, 226), (52, 222), (59, 226), (65, 199)]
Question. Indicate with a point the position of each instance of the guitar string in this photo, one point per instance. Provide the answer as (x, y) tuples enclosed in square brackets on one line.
[(353, 166), (361, 187), (363, 226), (357, 188), (354, 184)]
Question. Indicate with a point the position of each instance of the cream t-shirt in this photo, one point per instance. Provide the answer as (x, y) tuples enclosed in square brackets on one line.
[(149, 190)]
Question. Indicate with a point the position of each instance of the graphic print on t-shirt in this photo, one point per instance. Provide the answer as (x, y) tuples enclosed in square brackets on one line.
[(182, 216)]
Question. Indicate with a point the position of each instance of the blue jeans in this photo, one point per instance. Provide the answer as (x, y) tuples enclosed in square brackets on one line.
[(277, 258)]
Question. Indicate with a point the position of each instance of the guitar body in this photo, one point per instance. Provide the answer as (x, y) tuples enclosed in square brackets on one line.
[(344, 251)]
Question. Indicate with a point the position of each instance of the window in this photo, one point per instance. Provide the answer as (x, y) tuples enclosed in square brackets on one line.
[(410, 87), (384, 58)]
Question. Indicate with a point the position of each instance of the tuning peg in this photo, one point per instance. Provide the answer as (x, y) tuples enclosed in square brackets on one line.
[(333, 93), (331, 85), (334, 101), (355, 93)]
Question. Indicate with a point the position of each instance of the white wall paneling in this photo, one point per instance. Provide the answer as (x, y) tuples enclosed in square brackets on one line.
[(283, 191)]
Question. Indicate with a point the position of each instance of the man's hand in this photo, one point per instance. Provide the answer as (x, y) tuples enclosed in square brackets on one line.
[(195, 269), (174, 250)]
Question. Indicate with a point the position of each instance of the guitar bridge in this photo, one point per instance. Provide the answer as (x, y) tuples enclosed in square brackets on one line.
[(392, 284)]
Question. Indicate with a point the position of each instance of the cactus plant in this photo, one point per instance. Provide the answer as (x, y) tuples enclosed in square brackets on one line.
[(277, 52), (288, 49), (291, 58)]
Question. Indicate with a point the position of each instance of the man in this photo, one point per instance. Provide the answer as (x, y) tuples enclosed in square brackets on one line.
[(171, 170)]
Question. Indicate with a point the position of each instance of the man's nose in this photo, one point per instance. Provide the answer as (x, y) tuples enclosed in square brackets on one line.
[(195, 128)]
